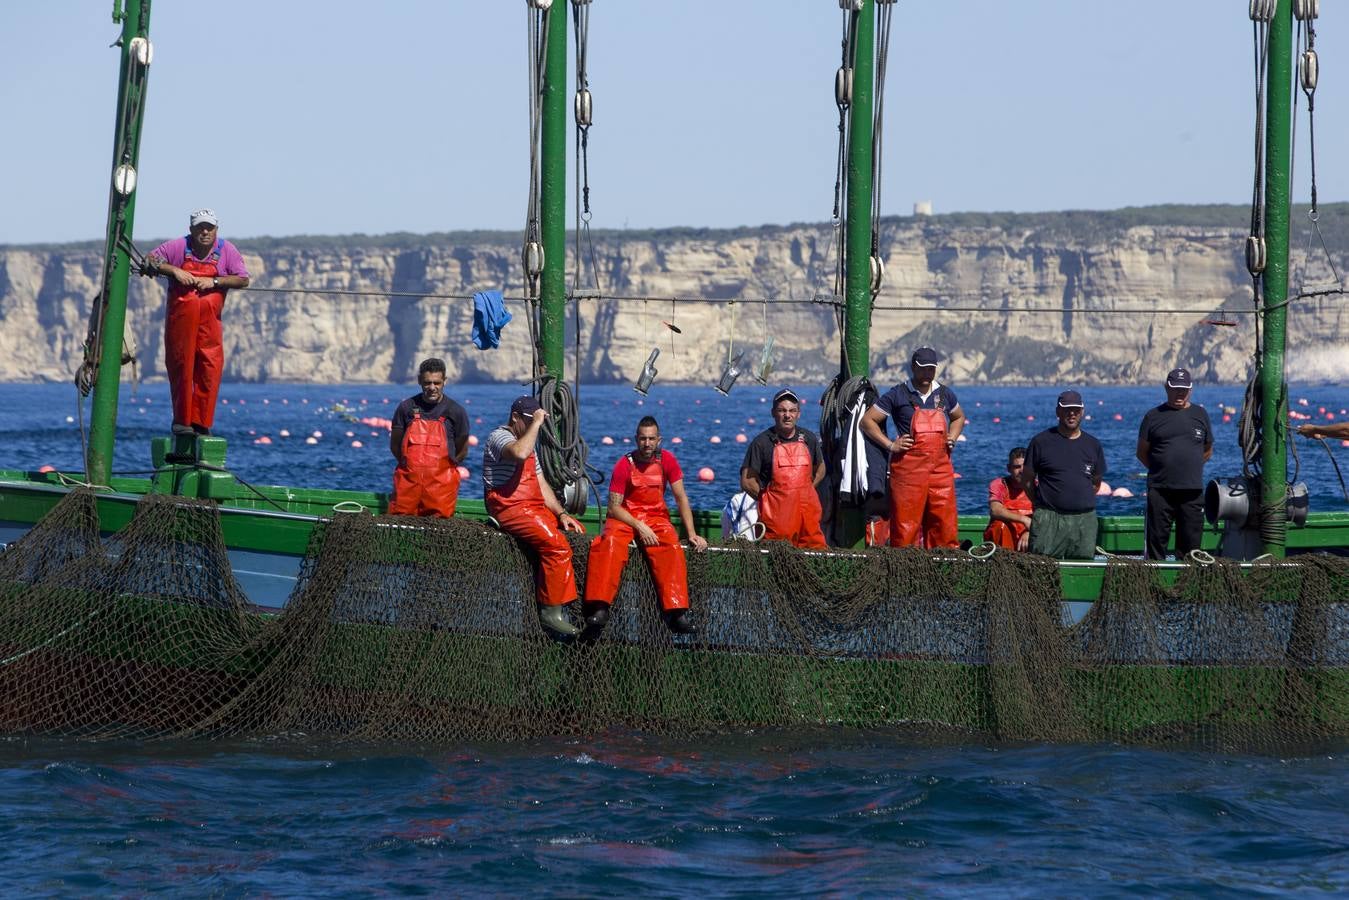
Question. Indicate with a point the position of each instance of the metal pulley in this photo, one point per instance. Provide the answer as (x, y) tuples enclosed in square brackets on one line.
[(584, 108), (851, 5), (544, 5), (843, 87), (1306, 9), (142, 51), (1308, 68), (124, 179), (1255, 254), (1263, 10), (877, 274)]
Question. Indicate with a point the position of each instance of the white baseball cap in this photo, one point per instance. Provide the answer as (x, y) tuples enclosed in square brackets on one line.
[(204, 215)]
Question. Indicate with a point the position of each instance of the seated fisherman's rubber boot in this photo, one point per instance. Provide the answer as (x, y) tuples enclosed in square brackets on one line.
[(678, 622), (554, 618), (596, 617)]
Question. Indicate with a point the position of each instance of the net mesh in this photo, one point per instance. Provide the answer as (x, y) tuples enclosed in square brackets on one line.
[(426, 630)]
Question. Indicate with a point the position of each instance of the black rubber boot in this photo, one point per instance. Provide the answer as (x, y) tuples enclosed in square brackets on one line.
[(678, 622), (597, 616), (555, 619)]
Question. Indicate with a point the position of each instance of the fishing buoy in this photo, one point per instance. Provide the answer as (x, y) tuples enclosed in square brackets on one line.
[(706, 474), (224, 401), (606, 440), (473, 440), (243, 402), (1122, 492), (70, 419), (960, 439), (750, 421), (1302, 401), (1226, 418), (1330, 417), (264, 440), (284, 432), (627, 440), (1321, 410), (45, 469), (357, 444), (1030, 418), (463, 472), (316, 435), (676, 440), (351, 434), (1344, 443), (285, 402), (1104, 490), (716, 421), (304, 400), (957, 475), (997, 420), (265, 401), (714, 440), (311, 440), (741, 438), (1117, 417), (478, 421)]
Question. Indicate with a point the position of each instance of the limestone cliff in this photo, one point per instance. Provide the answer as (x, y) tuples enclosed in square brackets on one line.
[(1081, 305)]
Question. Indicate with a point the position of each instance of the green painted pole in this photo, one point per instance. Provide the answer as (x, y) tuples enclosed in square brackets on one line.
[(857, 239), (1278, 164), (553, 196), (121, 216)]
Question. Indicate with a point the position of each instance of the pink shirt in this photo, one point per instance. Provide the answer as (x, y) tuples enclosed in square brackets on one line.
[(174, 252)]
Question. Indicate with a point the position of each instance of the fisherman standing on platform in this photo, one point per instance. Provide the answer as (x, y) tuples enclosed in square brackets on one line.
[(524, 505), (1064, 467), (1174, 441), (429, 438), (782, 466), (637, 509), (201, 270), (1009, 506), (928, 422)]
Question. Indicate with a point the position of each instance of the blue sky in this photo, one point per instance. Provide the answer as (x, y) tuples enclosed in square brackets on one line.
[(338, 117)]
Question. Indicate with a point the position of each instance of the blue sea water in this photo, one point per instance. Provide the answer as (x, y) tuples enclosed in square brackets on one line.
[(39, 425), (795, 814)]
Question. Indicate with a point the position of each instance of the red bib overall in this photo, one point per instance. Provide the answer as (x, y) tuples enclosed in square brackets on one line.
[(645, 500), (193, 355), (519, 509), (923, 486), (1006, 534), (789, 507), (425, 483)]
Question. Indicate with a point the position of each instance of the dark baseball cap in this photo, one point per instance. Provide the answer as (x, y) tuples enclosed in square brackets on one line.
[(526, 406), (786, 394), (1179, 378), (925, 357), (1070, 400)]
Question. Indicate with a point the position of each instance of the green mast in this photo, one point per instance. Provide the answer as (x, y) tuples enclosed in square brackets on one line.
[(1278, 162), (136, 53), (857, 236), (553, 196)]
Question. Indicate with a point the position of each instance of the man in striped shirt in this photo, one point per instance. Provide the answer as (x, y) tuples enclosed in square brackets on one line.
[(524, 505)]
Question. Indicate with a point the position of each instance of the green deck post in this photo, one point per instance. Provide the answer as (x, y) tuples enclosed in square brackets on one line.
[(553, 197), (857, 231), (857, 291), (1278, 161), (121, 217)]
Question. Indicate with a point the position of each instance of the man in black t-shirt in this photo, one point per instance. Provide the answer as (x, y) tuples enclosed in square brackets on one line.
[(1064, 467), (429, 438), (1174, 441)]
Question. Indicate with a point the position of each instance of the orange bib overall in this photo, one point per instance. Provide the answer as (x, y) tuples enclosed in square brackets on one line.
[(923, 486), (425, 483), (193, 355), (789, 507), (645, 500), (519, 508)]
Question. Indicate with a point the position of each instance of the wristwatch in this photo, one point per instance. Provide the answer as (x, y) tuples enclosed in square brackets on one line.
[(215, 282)]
